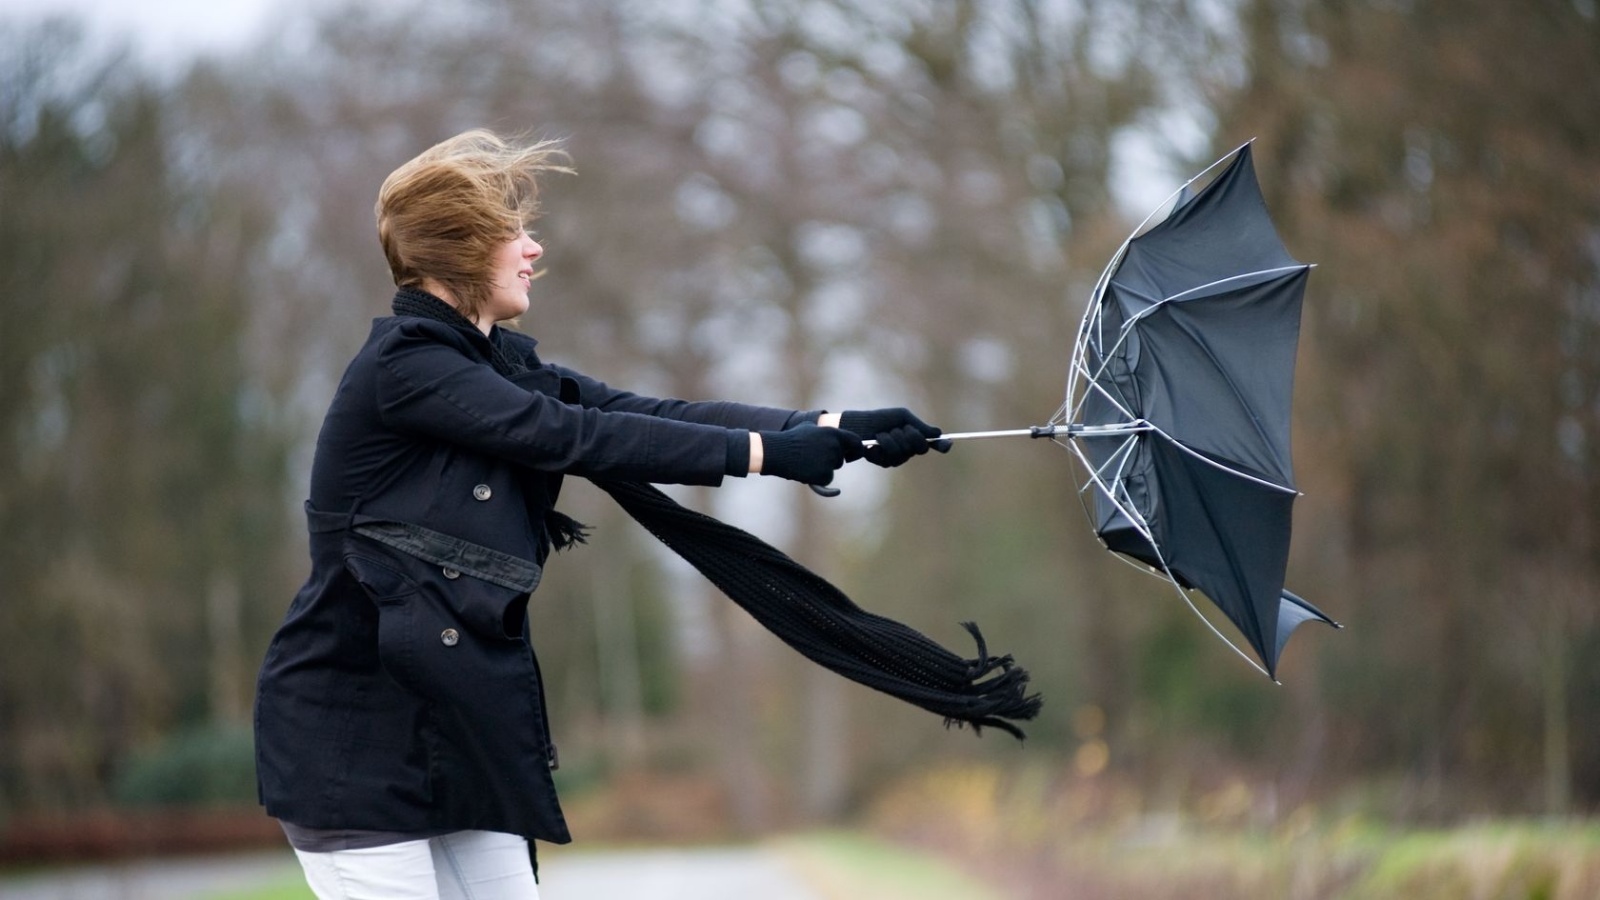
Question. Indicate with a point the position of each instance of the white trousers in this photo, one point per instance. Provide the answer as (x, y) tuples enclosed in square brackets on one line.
[(464, 865)]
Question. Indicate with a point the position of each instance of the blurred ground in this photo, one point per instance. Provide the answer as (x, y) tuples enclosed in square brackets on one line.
[(674, 874), (158, 879), (830, 866), (728, 872), (972, 856)]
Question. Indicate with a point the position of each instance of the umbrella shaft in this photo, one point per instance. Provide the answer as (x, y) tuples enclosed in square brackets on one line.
[(1035, 431)]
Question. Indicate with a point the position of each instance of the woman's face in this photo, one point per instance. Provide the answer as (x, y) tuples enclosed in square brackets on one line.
[(511, 276)]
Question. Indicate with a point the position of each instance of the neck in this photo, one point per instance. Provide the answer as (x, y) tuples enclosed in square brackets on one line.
[(443, 293)]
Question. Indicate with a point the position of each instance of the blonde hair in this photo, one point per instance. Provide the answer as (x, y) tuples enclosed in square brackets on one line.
[(444, 214)]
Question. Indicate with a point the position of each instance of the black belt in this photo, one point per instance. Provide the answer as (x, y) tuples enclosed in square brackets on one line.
[(488, 564)]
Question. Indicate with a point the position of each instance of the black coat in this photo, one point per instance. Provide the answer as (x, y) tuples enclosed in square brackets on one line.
[(401, 692)]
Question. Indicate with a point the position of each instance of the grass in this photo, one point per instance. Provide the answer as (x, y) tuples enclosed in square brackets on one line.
[(1092, 839), (1505, 861), (291, 888), (843, 865), (1530, 860)]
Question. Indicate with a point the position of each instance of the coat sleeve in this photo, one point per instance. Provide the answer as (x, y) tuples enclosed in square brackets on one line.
[(726, 413), (430, 385)]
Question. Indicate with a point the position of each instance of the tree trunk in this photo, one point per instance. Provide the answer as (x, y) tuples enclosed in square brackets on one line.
[(1557, 729), (617, 655), (228, 702)]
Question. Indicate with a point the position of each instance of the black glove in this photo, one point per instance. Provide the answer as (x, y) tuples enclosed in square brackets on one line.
[(808, 453), (899, 433)]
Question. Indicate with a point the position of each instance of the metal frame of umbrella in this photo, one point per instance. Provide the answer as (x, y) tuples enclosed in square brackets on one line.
[(1102, 409)]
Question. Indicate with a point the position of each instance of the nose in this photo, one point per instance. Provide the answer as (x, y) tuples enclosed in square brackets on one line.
[(531, 249)]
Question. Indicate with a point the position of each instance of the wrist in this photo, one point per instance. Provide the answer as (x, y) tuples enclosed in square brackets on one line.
[(802, 417), (757, 453), (737, 463), (828, 420), (860, 422)]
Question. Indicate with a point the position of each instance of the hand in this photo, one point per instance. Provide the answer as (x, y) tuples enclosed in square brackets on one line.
[(808, 453), (900, 435)]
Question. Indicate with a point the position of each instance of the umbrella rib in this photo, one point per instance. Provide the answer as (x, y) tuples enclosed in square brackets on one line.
[(1153, 308), (1243, 275), (1091, 321), (1188, 601), (1105, 275), (1120, 457), (1232, 558), (1222, 468), (1133, 516), (1180, 189), (1092, 377), (1080, 343), (1095, 385), (1255, 421), (1080, 350), (1227, 377), (1143, 527)]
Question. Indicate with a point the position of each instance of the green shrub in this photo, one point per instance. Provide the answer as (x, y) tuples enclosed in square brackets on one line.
[(209, 765)]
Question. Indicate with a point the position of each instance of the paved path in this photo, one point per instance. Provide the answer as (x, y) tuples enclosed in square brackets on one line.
[(164, 879), (722, 873)]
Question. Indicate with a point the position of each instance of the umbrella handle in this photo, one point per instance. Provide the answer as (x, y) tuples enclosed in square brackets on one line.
[(1034, 431)]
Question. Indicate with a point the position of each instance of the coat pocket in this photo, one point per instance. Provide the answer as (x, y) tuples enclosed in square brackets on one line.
[(442, 635), (396, 598)]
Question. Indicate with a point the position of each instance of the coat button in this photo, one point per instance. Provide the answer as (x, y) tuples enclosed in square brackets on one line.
[(482, 492), (449, 637), (451, 573)]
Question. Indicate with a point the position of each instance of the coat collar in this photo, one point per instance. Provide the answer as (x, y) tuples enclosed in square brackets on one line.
[(496, 346)]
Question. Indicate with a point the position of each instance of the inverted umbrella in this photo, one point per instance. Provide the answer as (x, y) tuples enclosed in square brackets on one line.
[(1178, 404)]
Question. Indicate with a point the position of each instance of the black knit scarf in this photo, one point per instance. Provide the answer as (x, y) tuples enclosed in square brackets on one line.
[(794, 603)]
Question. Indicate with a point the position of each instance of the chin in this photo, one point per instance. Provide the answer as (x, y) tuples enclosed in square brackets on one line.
[(508, 312)]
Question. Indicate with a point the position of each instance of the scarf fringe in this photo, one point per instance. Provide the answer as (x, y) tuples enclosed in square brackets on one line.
[(565, 531), (824, 625)]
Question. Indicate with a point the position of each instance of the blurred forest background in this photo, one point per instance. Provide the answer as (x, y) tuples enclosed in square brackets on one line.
[(833, 203)]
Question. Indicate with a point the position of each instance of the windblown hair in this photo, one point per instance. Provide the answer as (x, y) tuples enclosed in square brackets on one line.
[(444, 214)]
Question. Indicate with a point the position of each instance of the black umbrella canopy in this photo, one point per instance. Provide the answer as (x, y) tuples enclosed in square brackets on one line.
[(1188, 353)]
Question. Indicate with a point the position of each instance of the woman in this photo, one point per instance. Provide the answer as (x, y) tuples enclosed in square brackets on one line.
[(401, 729)]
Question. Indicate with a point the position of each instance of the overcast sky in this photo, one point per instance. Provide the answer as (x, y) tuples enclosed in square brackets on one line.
[(173, 30), (164, 26)]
